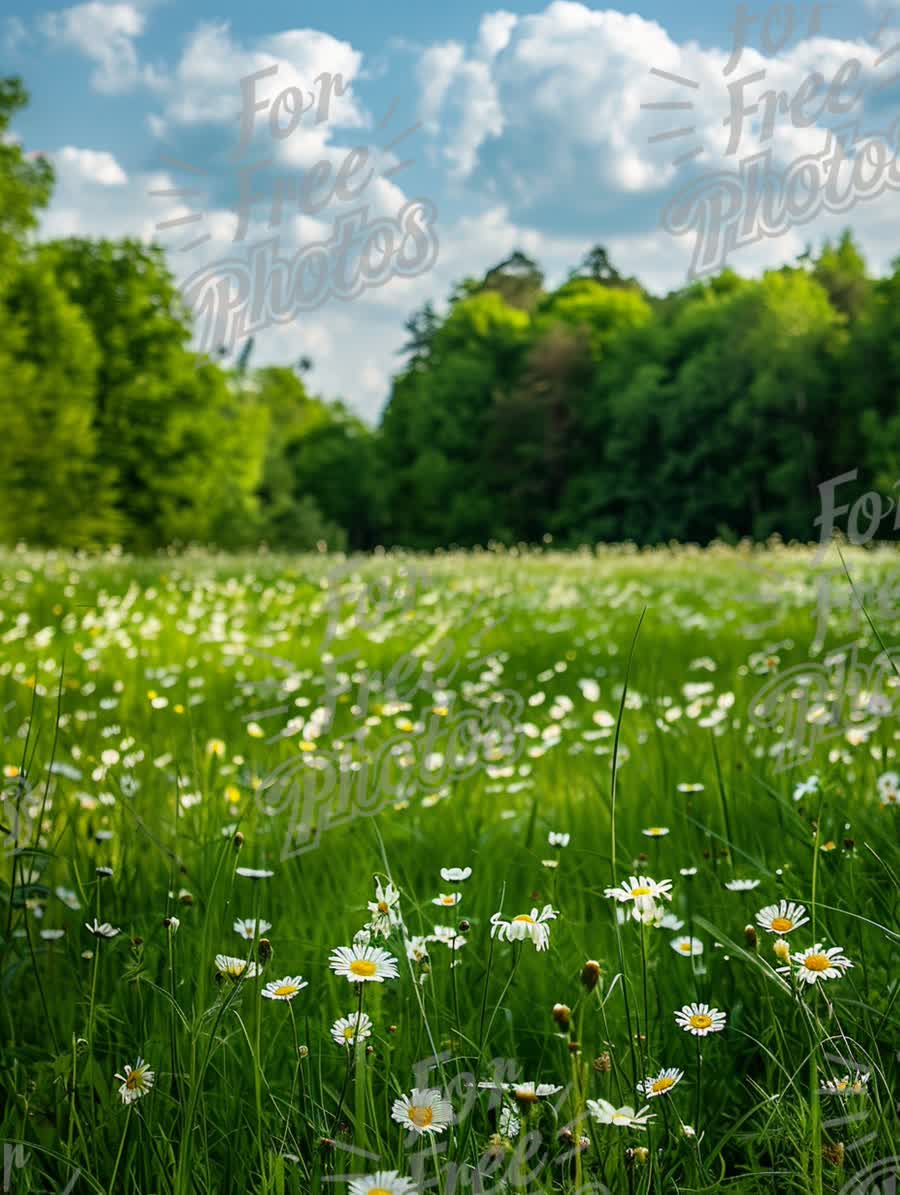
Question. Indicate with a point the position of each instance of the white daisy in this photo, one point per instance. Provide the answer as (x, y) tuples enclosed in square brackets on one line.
[(250, 928), (136, 1081), (688, 946), (416, 949), (254, 873), (424, 1110), (741, 885), (447, 899), (284, 989), (643, 892), (625, 1117), (661, 1084), (533, 926), (101, 931), (363, 964), (236, 968), (700, 1019), (782, 918), (447, 936), (655, 831), (817, 963), (455, 875), (385, 909), (346, 1030), (383, 1182), (558, 839)]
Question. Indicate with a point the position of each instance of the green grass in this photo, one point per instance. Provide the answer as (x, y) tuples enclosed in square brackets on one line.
[(149, 706)]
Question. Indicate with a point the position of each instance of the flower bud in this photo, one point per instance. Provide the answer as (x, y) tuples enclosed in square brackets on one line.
[(603, 1063), (782, 951), (264, 950), (464, 926), (590, 974), (750, 937), (562, 1015), (238, 841)]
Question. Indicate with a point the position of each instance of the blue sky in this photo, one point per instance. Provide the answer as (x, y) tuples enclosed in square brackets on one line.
[(527, 132)]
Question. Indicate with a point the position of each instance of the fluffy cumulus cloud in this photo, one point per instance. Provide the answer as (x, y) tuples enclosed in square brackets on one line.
[(587, 121), (205, 87)]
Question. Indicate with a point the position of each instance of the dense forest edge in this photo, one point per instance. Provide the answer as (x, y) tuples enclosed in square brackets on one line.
[(592, 412)]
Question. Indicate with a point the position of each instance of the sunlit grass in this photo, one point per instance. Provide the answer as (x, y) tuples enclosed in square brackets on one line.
[(164, 715)]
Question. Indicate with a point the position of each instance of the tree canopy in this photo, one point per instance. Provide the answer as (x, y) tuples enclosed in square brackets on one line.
[(592, 411)]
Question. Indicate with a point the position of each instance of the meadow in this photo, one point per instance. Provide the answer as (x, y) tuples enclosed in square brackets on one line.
[(470, 872)]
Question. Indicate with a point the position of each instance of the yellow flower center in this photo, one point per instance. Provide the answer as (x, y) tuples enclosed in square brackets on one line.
[(685, 948), (817, 962), (782, 924), (379, 1191), (383, 906), (286, 989), (641, 891), (349, 1033), (420, 1116), (660, 1085), (449, 900), (524, 917), (363, 968), (134, 1080), (526, 1095), (700, 1021)]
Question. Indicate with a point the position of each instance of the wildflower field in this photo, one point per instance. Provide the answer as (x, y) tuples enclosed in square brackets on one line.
[(520, 872)]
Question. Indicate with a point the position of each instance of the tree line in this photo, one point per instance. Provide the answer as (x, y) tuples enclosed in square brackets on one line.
[(592, 411)]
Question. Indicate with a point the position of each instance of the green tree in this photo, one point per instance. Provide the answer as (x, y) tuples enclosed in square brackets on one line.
[(26, 180), (53, 488), (179, 438)]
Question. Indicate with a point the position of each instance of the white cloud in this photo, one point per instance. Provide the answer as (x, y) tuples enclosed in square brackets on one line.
[(90, 166), (465, 90), (494, 32), (206, 82), (106, 34), (559, 104)]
